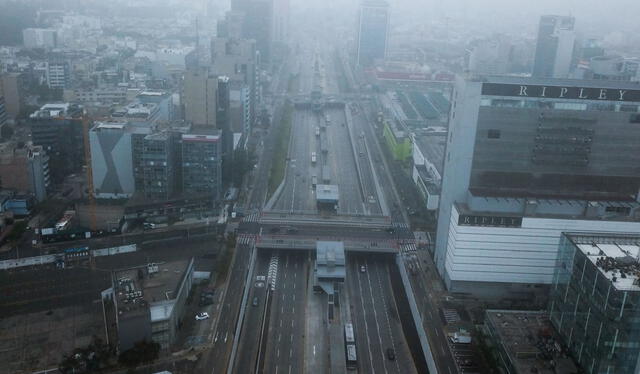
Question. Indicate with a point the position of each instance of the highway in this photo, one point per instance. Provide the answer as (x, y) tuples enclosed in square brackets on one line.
[(250, 335), (375, 318), (285, 341)]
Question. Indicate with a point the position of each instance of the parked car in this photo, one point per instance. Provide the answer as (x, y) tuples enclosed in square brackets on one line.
[(363, 268), (255, 301)]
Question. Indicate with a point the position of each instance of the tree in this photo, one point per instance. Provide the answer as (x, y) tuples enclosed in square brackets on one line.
[(88, 359), (142, 352)]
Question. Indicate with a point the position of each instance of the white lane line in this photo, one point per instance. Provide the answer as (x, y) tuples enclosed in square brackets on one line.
[(289, 369), (291, 338), (216, 339), (375, 318), (281, 310), (226, 336), (294, 286), (291, 323), (279, 336), (314, 349), (278, 352), (276, 369), (290, 352), (294, 296), (366, 327), (436, 330), (280, 323), (293, 310)]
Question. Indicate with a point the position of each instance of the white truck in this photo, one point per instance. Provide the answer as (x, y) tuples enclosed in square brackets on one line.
[(460, 338)]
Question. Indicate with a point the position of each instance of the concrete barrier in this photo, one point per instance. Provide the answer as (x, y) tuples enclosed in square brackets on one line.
[(424, 341)]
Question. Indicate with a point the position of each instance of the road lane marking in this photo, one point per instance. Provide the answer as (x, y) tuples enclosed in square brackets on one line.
[(290, 352), (278, 352), (294, 296), (291, 337), (280, 323), (293, 310), (289, 369), (226, 336), (279, 336), (291, 323), (314, 350), (436, 330), (216, 339)]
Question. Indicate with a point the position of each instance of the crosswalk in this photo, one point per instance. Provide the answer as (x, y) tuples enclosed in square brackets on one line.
[(400, 225), (272, 275), (451, 315), (409, 247), (246, 239), (253, 217)]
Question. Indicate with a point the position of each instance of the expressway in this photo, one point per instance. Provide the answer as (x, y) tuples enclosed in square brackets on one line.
[(375, 317), (285, 338), (250, 335)]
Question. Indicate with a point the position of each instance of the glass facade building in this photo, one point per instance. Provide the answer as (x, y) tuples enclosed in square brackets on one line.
[(595, 301)]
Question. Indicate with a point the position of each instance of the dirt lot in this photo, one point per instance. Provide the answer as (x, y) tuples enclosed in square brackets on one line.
[(37, 341)]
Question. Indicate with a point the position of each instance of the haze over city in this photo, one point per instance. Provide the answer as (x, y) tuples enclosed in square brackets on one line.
[(336, 186)]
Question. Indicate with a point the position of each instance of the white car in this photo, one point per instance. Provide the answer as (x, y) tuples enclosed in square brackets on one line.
[(202, 316), (363, 268)]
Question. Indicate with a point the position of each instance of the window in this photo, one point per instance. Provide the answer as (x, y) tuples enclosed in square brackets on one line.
[(493, 134)]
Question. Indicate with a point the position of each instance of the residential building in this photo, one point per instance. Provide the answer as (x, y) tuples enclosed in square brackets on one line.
[(24, 169), (58, 128), (58, 74), (554, 47), (11, 85), (112, 158), (595, 300), (373, 32), (526, 160), (202, 163), (105, 95), (40, 38), (149, 302)]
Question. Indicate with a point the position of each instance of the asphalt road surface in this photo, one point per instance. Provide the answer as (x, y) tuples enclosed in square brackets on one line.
[(375, 319), (285, 341)]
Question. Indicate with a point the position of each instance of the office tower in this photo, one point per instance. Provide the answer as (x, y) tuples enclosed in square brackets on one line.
[(202, 163), (238, 60), (112, 158), (372, 36), (595, 300), (158, 165), (526, 160), (58, 129), (199, 97), (554, 48), (24, 169), (489, 56)]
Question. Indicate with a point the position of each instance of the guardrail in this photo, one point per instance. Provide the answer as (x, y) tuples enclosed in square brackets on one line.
[(377, 246)]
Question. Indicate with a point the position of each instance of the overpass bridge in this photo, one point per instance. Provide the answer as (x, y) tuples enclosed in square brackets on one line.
[(309, 244)]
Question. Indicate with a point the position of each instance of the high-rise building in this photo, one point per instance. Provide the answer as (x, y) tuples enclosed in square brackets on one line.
[(526, 160), (373, 33), (159, 165), (58, 74), (199, 97), (202, 163), (58, 129), (554, 48), (258, 25), (39, 38), (111, 158), (11, 88), (489, 56), (595, 300), (238, 60)]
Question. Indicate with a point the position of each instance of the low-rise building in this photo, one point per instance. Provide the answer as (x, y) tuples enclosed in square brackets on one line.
[(428, 162), (330, 265), (526, 342), (149, 302)]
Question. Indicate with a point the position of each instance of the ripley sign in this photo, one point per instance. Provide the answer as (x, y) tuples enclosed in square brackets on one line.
[(492, 221), (560, 92)]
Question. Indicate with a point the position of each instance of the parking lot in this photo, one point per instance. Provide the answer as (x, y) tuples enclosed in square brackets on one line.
[(38, 341)]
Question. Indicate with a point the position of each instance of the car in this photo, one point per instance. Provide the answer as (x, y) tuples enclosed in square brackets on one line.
[(202, 316), (292, 230), (391, 354), (363, 268), (274, 230), (256, 301)]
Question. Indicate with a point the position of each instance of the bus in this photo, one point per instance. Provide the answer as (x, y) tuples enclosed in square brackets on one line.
[(313, 157), (348, 334), (352, 362)]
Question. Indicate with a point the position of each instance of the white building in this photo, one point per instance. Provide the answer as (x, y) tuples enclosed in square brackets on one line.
[(39, 38)]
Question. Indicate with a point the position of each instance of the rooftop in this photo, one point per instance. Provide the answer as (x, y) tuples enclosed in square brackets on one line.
[(330, 260), (432, 145), (529, 341), (137, 288), (55, 110), (586, 83), (327, 192), (616, 256)]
